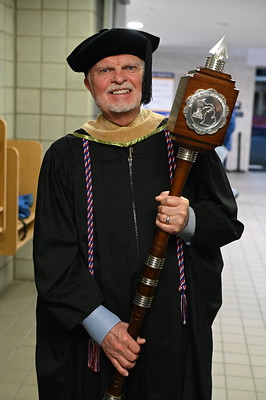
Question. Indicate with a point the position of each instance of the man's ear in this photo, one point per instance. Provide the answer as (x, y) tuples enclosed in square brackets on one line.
[(87, 84)]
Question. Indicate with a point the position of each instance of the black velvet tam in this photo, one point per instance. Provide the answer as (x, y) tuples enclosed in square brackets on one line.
[(110, 42)]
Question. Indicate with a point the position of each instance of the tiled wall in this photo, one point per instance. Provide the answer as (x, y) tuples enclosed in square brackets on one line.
[(51, 99), (7, 62), (7, 109)]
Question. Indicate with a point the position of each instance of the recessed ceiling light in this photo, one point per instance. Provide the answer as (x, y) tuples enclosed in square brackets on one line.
[(135, 25)]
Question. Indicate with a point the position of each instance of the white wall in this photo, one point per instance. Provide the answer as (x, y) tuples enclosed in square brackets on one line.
[(180, 62)]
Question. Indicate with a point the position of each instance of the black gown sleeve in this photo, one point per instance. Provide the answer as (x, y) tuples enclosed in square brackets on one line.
[(64, 284), (213, 203)]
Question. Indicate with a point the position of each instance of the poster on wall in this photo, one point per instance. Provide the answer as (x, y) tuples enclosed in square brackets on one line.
[(162, 93)]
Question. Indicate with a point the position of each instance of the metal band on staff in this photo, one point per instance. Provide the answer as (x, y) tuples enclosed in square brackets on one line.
[(148, 282), (155, 262), (142, 301), (187, 155), (108, 396)]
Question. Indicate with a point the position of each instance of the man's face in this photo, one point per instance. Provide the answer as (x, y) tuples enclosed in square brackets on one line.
[(115, 83)]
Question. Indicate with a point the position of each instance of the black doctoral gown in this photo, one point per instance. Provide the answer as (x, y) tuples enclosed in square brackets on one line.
[(175, 362)]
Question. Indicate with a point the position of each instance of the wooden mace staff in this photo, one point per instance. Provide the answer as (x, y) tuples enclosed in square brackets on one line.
[(198, 122)]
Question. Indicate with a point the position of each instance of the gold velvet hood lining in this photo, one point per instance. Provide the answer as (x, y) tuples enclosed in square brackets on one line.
[(104, 131)]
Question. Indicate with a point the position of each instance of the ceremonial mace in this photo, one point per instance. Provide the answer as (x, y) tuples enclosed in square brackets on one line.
[(198, 121)]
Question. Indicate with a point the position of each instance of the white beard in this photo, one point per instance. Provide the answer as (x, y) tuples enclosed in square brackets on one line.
[(119, 107)]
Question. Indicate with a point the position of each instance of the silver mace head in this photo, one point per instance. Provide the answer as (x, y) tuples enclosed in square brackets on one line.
[(219, 52)]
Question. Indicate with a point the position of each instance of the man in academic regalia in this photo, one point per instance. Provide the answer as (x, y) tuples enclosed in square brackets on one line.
[(103, 191)]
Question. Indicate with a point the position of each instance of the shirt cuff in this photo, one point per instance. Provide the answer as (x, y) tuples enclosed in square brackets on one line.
[(188, 232), (99, 323)]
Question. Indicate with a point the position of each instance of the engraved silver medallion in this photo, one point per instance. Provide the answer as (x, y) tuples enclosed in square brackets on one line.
[(206, 111)]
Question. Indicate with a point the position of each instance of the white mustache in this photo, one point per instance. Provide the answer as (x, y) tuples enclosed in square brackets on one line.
[(115, 86)]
